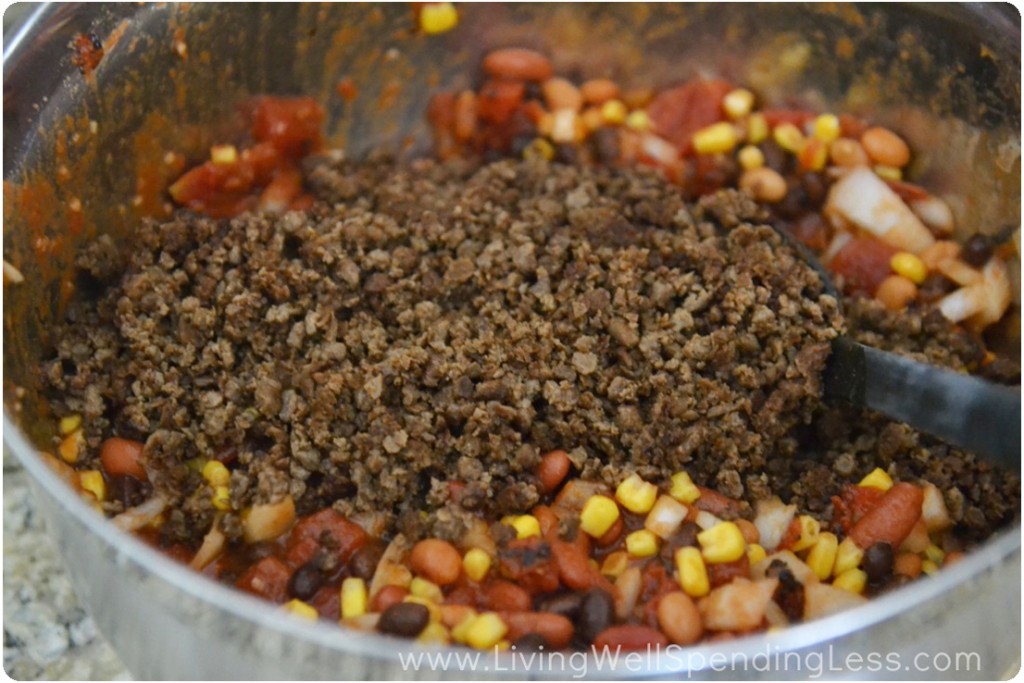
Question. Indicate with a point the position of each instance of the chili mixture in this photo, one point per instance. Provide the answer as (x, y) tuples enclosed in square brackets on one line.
[(558, 386)]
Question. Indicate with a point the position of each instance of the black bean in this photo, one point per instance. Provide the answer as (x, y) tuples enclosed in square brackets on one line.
[(567, 154), (815, 187), (596, 613), (530, 642), (566, 604), (364, 561), (934, 287), (789, 595), (306, 581), (406, 619), (878, 562), (977, 250)]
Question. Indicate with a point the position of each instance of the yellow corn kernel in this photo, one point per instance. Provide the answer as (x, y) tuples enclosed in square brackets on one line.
[(503, 645), (438, 17), (827, 128), (353, 597), (71, 446), (750, 157), (638, 120), (598, 515), (216, 473), (69, 424), (476, 563), (642, 543), (433, 634), (723, 542), (539, 149), (877, 479), (92, 481), (929, 567), (693, 573), (738, 103), (822, 557), (757, 128), (435, 611), (614, 112), (221, 498), (909, 266), (888, 172), (853, 580), (933, 553), (788, 137), (301, 609), (223, 155), (848, 556), (810, 529), (615, 563), (715, 139), (636, 495), (526, 526), (460, 632), (683, 489), (755, 553), (422, 588), (486, 631)]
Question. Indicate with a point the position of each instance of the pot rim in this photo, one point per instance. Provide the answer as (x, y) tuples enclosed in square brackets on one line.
[(342, 640)]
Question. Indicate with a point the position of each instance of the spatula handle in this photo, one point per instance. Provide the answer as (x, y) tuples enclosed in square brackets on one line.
[(964, 411)]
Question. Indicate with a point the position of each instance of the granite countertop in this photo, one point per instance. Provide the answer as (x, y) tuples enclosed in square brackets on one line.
[(47, 633)]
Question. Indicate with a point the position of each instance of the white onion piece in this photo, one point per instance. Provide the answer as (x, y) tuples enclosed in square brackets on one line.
[(659, 150), (801, 572), (212, 547), (935, 213), (822, 599), (959, 272), (665, 517), (627, 591), (863, 199), (963, 303), (933, 510), (772, 521), (391, 571), (839, 240), (139, 516), (706, 520), (737, 606), (998, 294)]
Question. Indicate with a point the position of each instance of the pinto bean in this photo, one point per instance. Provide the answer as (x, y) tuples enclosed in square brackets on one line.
[(679, 618), (554, 628), (629, 637), (437, 560), (891, 519), (518, 63), (506, 596), (553, 468)]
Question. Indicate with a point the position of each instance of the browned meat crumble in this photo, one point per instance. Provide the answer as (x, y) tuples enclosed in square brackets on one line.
[(409, 347)]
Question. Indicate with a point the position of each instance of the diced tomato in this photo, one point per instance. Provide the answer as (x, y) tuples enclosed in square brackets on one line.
[(498, 100), (326, 529), (812, 230), (217, 190), (851, 504), (268, 579), (851, 127), (528, 562), (798, 117), (717, 504), (679, 112), (863, 263), (327, 602), (279, 193), (722, 573), (791, 536), (292, 125)]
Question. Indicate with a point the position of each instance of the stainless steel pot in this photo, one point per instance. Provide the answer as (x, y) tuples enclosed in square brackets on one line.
[(83, 156)]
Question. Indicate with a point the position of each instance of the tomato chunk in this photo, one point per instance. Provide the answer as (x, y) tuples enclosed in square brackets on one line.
[(680, 112), (325, 529), (292, 125), (268, 579), (863, 263)]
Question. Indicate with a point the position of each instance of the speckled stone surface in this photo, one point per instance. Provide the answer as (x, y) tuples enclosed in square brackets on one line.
[(47, 633)]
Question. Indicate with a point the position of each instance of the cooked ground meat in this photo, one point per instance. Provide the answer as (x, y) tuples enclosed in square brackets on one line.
[(419, 338)]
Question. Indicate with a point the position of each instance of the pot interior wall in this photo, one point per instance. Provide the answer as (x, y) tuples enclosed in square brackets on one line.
[(85, 154)]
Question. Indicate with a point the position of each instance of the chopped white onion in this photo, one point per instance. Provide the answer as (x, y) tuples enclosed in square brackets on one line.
[(935, 213), (933, 510), (665, 517), (863, 199), (139, 516), (772, 521)]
